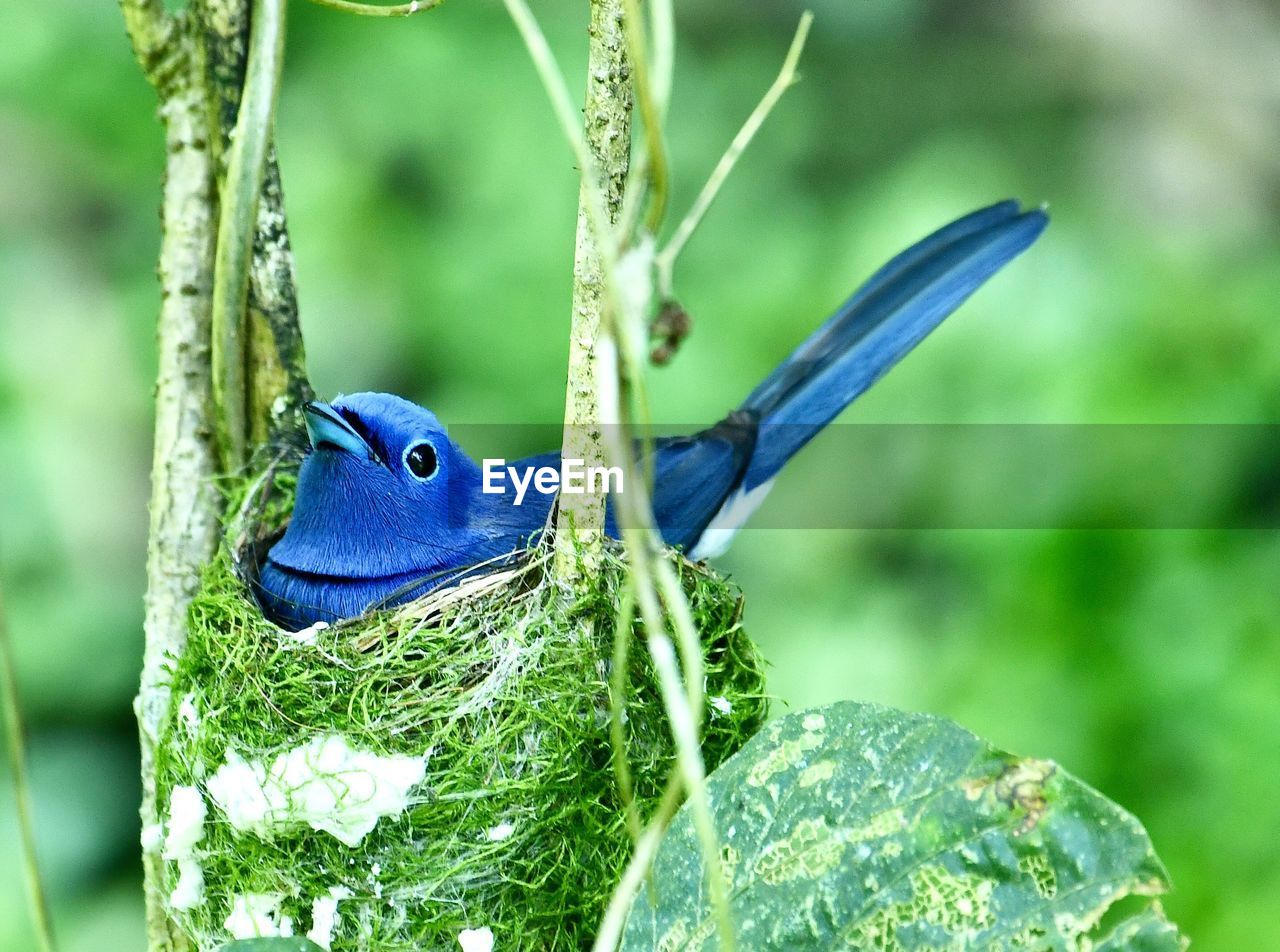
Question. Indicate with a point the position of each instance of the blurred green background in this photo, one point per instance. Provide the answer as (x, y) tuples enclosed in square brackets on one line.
[(432, 204)]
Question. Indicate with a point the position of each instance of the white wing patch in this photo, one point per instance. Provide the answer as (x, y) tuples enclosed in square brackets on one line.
[(724, 525)]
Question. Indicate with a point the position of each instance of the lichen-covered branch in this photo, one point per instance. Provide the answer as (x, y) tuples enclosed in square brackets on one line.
[(277, 384), (195, 61), (607, 112), (153, 34), (184, 507)]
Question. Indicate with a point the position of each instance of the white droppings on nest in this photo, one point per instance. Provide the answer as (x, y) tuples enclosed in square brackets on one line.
[(324, 784), (308, 635), (257, 915), (185, 825), (496, 834), (324, 916), (476, 940), (722, 704), (152, 837), (188, 892), (188, 714)]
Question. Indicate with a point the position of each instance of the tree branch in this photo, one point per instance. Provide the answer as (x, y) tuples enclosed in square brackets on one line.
[(196, 63), (184, 506), (652, 182), (607, 111)]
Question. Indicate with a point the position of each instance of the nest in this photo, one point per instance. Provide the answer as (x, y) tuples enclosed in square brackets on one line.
[(489, 701)]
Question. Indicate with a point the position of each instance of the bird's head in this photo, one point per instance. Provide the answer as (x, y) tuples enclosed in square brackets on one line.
[(380, 492)]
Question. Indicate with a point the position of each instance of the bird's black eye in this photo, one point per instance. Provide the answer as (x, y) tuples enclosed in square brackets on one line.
[(421, 460)]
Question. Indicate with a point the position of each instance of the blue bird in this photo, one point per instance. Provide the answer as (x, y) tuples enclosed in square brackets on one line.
[(387, 506)]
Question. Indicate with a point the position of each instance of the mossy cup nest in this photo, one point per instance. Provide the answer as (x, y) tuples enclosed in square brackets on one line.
[(390, 782)]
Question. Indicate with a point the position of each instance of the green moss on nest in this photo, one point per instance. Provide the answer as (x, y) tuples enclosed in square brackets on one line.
[(517, 825)]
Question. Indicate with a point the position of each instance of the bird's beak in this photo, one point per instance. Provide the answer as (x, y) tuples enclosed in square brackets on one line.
[(327, 428)]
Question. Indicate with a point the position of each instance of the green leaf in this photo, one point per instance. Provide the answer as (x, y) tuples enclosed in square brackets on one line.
[(275, 944), (856, 826), (1148, 931)]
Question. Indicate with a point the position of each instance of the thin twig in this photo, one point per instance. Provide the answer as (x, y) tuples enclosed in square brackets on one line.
[(786, 77), (373, 10), (633, 201), (683, 701), (656, 85), (677, 696), (21, 792), (664, 53), (237, 224), (655, 172), (618, 680), (615, 916), (689, 756), (687, 634), (553, 82)]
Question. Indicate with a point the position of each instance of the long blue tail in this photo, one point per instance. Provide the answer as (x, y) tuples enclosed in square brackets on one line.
[(874, 329)]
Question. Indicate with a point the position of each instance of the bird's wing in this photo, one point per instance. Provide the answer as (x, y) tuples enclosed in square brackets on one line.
[(694, 475)]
